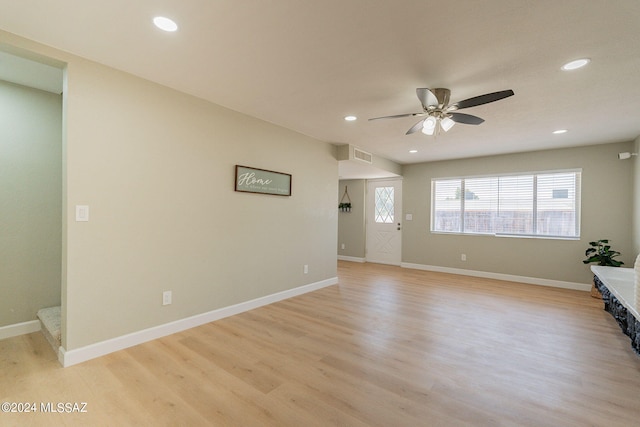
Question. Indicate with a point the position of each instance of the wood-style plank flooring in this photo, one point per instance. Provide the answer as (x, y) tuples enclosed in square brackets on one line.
[(385, 347)]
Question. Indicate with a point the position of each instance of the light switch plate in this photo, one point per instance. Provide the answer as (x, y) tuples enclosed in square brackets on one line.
[(82, 213), (166, 298), (408, 217)]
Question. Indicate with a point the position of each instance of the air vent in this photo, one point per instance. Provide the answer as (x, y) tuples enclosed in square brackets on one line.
[(363, 156)]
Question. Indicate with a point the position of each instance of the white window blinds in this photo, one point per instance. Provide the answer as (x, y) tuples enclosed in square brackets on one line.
[(535, 204)]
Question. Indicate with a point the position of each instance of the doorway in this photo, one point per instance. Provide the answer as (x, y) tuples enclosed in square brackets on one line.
[(384, 222), (31, 193)]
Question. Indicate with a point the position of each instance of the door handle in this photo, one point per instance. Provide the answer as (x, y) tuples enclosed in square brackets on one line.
[(398, 226)]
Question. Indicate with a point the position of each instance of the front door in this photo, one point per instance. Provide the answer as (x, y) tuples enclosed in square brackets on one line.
[(384, 214)]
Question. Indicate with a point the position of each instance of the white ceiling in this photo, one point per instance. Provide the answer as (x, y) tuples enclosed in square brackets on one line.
[(306, 64)]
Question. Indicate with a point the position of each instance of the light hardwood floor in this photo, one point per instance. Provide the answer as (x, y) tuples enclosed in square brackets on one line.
[(385, 347)]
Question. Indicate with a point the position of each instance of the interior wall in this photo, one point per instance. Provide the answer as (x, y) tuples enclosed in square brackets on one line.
[(351, 225), (30, 202), (606, 213), (156, 168), (636, 197)]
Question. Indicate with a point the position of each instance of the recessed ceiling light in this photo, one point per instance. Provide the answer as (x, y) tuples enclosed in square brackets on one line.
[(350, 118), (574, 65), (165, 24), (413, 151), (559, 131)]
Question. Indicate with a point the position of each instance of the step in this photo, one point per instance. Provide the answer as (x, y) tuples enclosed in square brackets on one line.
[(50, 319)]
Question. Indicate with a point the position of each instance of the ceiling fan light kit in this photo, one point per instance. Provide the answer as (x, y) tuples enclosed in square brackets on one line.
[(429, 125), (433, 124), (440, 115), (447, 123)]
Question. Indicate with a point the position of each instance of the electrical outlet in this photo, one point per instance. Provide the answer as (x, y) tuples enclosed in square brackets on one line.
[(166, 298), (342, 246), (306, 269), (463, 257)]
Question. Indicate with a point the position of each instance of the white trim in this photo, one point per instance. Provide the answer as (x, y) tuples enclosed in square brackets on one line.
[(384, 263), (82, 354), (19, 329), (351, 258), (388, 178), (500, 276)]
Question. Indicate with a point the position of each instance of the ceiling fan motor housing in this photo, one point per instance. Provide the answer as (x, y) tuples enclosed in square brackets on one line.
[(442, 95)]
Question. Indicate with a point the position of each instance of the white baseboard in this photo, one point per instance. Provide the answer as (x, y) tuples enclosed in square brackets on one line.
[(19, 329), (500, 276), (350, 258), (78, 355)]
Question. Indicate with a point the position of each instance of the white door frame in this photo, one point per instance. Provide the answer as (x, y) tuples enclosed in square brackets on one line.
[(383, 241)]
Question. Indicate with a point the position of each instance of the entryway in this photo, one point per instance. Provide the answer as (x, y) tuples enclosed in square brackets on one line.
[(384, 221)]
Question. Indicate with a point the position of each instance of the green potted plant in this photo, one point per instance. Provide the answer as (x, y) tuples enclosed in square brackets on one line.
[(600, 252), (345, 207)]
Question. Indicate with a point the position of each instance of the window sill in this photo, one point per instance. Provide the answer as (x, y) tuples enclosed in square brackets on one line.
[(518, 236)]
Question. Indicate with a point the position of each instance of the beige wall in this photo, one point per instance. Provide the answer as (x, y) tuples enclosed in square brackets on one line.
[(606, 213), (636, 197), (351, 225), (30, 202), (156, 168)]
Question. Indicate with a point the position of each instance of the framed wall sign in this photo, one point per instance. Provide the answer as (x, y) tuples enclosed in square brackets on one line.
[(252, 180)]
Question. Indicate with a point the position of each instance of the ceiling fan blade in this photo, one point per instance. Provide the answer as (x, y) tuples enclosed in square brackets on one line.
[(426, 97), (398, 116), (466, 119), (416, 127), (484, 99)]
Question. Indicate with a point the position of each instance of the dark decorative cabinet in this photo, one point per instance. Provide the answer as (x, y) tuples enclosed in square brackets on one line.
[(619, 294)]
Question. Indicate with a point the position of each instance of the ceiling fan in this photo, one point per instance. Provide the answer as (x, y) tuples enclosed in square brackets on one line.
[(440, 115)]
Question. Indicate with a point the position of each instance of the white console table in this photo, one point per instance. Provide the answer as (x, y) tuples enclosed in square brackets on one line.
[(617, 286)]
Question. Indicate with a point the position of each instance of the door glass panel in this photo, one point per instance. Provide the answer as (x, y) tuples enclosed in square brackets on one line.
[(384, 205)]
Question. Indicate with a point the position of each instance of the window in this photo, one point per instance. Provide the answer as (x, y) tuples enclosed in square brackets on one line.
[(384, 205), (544, 204)]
